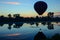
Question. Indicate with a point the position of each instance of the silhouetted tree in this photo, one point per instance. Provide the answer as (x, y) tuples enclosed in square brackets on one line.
[(9, 15), (50, 14), (16, 15)]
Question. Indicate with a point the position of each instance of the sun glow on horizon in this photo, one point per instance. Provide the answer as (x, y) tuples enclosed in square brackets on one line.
[(26, 14)]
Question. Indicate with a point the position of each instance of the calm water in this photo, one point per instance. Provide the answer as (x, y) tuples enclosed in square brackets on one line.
[(27, 31)]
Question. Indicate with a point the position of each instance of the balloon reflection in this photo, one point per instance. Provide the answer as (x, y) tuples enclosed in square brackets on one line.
[(40, 36)]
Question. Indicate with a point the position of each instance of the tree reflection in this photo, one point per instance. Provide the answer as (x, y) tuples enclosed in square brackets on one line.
[(1, 24), (37, 24), (56, 37), (9, 27), (17, 25), (50, 25), (20, 24)]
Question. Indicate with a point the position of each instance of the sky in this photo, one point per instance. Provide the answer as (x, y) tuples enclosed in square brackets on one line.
[(26, 7)]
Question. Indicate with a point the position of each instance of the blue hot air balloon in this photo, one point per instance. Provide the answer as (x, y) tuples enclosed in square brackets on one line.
[(40, 7)]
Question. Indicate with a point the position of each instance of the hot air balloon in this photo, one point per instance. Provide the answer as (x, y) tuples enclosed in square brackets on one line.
[(40, 7)]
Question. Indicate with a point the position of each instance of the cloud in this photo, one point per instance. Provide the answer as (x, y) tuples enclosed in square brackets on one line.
[(14, 3), (15, 34), (57, 13)]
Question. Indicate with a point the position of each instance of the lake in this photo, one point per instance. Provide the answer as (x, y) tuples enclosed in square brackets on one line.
[(28, 31)]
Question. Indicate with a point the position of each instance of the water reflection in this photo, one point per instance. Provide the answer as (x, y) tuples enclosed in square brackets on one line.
[(56, 37), (1, 24), (42, 36), (10, 24), (38, 35), (16, 25), (20, 24)]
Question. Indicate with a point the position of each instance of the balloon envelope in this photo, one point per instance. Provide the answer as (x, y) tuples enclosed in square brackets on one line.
[(40, 7)]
